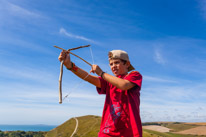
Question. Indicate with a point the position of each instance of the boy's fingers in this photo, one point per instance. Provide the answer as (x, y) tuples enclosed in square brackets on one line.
[(62, 56), (91, 71)]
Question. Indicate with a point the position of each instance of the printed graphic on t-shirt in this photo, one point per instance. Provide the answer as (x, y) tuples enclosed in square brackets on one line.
[(115, 113)]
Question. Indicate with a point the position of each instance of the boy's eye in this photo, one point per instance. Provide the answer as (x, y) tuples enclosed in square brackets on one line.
[(117, 62), (114, 63)]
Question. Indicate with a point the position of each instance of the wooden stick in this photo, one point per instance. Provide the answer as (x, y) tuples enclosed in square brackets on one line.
[(75, 54), (60, 82), (78, 47), (72, 48)]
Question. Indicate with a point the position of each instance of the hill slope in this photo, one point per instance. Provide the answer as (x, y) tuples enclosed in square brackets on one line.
[(88, 127)]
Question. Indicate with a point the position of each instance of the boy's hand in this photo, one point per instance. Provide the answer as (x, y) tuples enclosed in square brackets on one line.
[(96, 69), (64, 55)]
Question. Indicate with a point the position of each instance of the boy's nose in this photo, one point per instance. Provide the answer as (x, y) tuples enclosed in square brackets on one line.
[(113, 66)]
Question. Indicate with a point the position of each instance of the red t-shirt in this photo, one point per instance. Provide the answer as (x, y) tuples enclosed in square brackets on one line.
[(121, 115)]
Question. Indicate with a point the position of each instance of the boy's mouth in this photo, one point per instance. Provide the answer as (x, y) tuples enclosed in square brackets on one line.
[(115, 71)]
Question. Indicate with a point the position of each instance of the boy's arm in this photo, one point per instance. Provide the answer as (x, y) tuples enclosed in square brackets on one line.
[(122, 84), (87, 77), (64, 55)]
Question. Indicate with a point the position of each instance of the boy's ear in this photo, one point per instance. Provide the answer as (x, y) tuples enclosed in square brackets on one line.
[(128, 64)]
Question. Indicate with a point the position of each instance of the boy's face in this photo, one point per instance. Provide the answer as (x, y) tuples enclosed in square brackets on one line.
[(118, 67)]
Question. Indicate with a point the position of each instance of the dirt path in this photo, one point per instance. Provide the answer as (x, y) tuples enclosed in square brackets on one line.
[(157, 128), (75, 130)]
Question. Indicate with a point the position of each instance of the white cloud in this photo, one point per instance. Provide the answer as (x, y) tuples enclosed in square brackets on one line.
[(40, 105), (181, 112), (70, 35), (158, 57), (177, 92), (16, 10), (174, 102), (53, 114)]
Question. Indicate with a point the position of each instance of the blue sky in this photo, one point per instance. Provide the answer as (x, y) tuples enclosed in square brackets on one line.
[(165, 40)]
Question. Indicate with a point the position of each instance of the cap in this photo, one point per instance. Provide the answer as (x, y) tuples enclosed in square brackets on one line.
[(120, 54)]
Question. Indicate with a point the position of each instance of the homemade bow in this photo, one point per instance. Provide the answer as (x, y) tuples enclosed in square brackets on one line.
[(61, 68)]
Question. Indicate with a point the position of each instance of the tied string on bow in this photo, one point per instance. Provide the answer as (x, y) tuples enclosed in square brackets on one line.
[(77, 85), (61, 70)]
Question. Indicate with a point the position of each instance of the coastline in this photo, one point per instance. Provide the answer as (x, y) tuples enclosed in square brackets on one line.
[(35, 128)]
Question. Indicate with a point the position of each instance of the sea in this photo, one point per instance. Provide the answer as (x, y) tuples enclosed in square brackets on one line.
[(27, 127)]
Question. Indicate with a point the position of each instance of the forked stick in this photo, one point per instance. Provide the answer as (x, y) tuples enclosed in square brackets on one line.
[(75, 54)]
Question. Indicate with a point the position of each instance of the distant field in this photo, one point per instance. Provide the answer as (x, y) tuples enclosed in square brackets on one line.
[(177, 129), (157, 128), (200, 130), (198, 123), (150, 133)]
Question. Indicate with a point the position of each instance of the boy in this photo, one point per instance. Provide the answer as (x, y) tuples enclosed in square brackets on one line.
[(121, 115)]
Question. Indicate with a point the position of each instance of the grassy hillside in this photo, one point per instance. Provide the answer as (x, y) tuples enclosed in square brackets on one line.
[(63, 130), (89, 127)]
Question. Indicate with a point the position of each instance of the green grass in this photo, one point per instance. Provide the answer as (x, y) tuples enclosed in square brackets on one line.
[(64, 130), (175, 126), (155, 133), (88, 127)]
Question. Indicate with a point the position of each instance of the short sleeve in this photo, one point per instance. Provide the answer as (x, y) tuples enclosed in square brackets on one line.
[(103, 88), (135, 77)]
